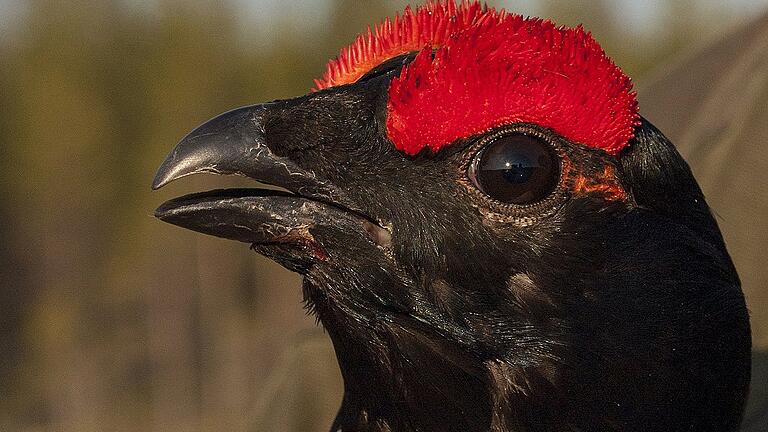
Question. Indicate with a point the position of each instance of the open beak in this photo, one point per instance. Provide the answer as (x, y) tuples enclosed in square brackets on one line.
[(234, 143)]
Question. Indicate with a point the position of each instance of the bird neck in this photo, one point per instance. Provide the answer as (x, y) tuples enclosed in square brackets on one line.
[(399, 381)]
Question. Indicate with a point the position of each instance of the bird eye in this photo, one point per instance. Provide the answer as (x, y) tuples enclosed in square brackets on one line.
[(516, 169)]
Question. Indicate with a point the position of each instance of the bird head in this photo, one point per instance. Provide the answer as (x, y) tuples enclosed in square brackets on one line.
[(491, 234)]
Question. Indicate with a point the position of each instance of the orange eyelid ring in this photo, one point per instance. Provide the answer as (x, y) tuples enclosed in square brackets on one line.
[(605, 184)]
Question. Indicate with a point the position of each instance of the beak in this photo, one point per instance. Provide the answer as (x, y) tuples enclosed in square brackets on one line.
[(234, 143)]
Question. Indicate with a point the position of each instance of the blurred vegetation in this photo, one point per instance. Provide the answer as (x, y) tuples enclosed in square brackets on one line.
[(110, 320)]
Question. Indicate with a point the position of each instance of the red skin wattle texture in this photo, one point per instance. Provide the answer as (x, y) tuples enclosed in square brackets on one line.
[(479, 68)]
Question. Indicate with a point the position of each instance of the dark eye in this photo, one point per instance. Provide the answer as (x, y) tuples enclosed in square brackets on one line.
[(516, 169)]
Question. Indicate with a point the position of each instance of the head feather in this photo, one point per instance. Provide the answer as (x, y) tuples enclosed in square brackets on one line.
[(478, 68)]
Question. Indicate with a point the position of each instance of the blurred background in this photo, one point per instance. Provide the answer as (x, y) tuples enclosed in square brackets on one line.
[(113, 321)]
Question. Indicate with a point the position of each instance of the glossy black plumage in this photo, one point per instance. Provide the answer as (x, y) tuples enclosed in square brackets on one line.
[(450, 312)]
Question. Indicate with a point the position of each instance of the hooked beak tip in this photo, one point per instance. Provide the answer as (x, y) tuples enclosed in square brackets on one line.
[(158, 182), (222, 145), (169, 171), (173, 169)]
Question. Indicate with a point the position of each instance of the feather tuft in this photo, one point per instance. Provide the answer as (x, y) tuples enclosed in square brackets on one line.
[(478, 68)]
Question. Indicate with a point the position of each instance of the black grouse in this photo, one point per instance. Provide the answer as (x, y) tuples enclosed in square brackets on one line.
[(493, 237)]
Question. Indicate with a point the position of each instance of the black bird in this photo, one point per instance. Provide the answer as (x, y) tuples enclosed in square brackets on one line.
[(492, 236)]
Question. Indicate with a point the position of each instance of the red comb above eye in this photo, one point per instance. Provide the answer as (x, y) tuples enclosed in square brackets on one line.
[(479, 68), (431, 25)]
